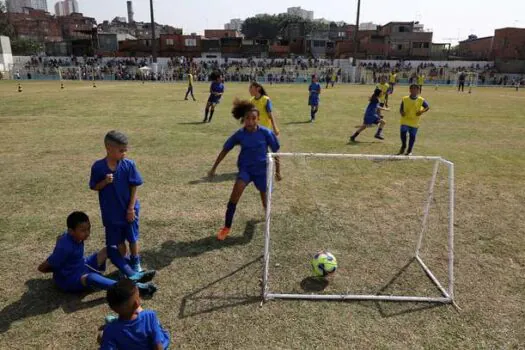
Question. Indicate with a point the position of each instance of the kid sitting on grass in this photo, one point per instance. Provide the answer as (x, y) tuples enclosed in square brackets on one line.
[(72, 272)]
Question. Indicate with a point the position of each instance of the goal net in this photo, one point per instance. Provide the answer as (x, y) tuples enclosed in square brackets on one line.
[(387, 219)]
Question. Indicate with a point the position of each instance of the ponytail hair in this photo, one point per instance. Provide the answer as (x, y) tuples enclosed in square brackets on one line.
[(241, 108), (259, 87), (375, 95)]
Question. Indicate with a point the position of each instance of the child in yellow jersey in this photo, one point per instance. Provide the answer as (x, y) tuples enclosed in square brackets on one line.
[(411, 110), (384, 87), (420, 81), (392, 81), (190, 87), (262, 102)]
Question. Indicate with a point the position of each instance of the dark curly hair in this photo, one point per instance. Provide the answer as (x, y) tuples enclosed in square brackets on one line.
[(241, 108), (215, 75)]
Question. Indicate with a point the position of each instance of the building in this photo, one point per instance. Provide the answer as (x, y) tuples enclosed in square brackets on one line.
[(221, 33), (235, 24), (66, 7), (475, 48), (509, 44), (298, 11), (406, 39), (36, 25), (17, 6), (367, 26)]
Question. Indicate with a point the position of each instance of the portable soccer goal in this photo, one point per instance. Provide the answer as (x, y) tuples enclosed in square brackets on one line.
[(323, 203)]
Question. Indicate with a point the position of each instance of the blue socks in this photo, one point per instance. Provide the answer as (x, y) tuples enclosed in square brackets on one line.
[(230, 212), (118, 260), (97, 281)]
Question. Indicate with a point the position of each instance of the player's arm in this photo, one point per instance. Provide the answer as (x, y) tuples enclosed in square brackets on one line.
[(99, 186), (402, 110), (425, 109), (269, 110), (228, 146), (45, 267), (130, 214)]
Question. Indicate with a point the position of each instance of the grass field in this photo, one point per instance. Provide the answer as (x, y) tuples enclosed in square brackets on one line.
[(209, 291)]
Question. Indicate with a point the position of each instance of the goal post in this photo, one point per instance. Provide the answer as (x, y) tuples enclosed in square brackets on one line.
[(446, 290)]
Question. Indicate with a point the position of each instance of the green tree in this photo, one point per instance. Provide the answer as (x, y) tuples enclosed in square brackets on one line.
[(272, 27), (6, 28), (26, 47)]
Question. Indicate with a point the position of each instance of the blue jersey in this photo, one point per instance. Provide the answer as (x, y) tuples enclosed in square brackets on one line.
[(371, 109), (315, 89), (216, 88), (114, 198), (142, 333), (254, 147), (67, 261)]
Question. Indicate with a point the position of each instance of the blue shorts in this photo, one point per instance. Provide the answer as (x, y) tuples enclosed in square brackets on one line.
[(259, 180), (313, 101), (73, 283), (371, 120), (116, 234), (215, 100), (410, 129)]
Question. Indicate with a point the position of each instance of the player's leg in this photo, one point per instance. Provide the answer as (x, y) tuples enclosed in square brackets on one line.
[(212, 110), (187, 92), (97, 281), (379, 133), (132, 236), (114, 237), (412, 133), (192, 96), (207, 111), (357, 132), (403, 134), (238, 188)]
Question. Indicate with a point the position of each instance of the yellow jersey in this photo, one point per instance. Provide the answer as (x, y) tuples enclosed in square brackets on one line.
[(421, 79), (384, 91), (393, 78), (410, 108), (262, 105), (190, 80)]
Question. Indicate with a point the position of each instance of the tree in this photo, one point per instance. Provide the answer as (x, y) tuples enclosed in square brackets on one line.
[(6, 28), (26, 47), (272, 27)]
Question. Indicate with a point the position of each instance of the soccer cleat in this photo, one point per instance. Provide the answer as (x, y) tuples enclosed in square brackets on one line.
[(146, 289), (352, 139), (379, 137), (223, 233), (205, 120), (401, 151), (143, 276), (408, 154), (136, 267)]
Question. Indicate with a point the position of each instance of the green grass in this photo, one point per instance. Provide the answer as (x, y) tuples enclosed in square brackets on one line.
[(209, 291)]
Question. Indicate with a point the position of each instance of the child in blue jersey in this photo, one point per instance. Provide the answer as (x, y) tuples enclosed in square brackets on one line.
[(313, 99), (72, 272), (254, 141), (135, 328), (372, 117), (116, 179), (216, 92)]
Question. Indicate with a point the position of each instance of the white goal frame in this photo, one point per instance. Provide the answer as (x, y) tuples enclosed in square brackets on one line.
[(447, 293)]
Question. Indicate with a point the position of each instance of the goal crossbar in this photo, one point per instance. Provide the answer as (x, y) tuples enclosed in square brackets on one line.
[(447, 293)]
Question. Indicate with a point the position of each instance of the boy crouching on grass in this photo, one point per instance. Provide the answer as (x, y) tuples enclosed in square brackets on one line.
[(134, 328)]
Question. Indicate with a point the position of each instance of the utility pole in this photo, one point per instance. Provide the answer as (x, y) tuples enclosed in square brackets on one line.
[(153, 39), (354, 63)]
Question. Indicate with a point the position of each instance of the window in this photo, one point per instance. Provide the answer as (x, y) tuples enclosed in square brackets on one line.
[(400, 47), (170, 42), (190, 42), (426, 45), (402, 29), (417, 45)]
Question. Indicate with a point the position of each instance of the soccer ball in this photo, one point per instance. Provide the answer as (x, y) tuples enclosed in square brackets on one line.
[(323, 264)]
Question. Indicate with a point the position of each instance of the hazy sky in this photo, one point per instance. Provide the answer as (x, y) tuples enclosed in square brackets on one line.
[(447, 18)]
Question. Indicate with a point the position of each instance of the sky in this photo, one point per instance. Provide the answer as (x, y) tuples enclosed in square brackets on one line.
[(450, 20)]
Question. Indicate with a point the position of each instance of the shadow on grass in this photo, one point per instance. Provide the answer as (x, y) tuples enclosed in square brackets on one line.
[(190, 123), (298, 122), (357, 143), (216, 179), (42, 297), (314, 284), (170, 250), (390, 309), (218, 302)]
